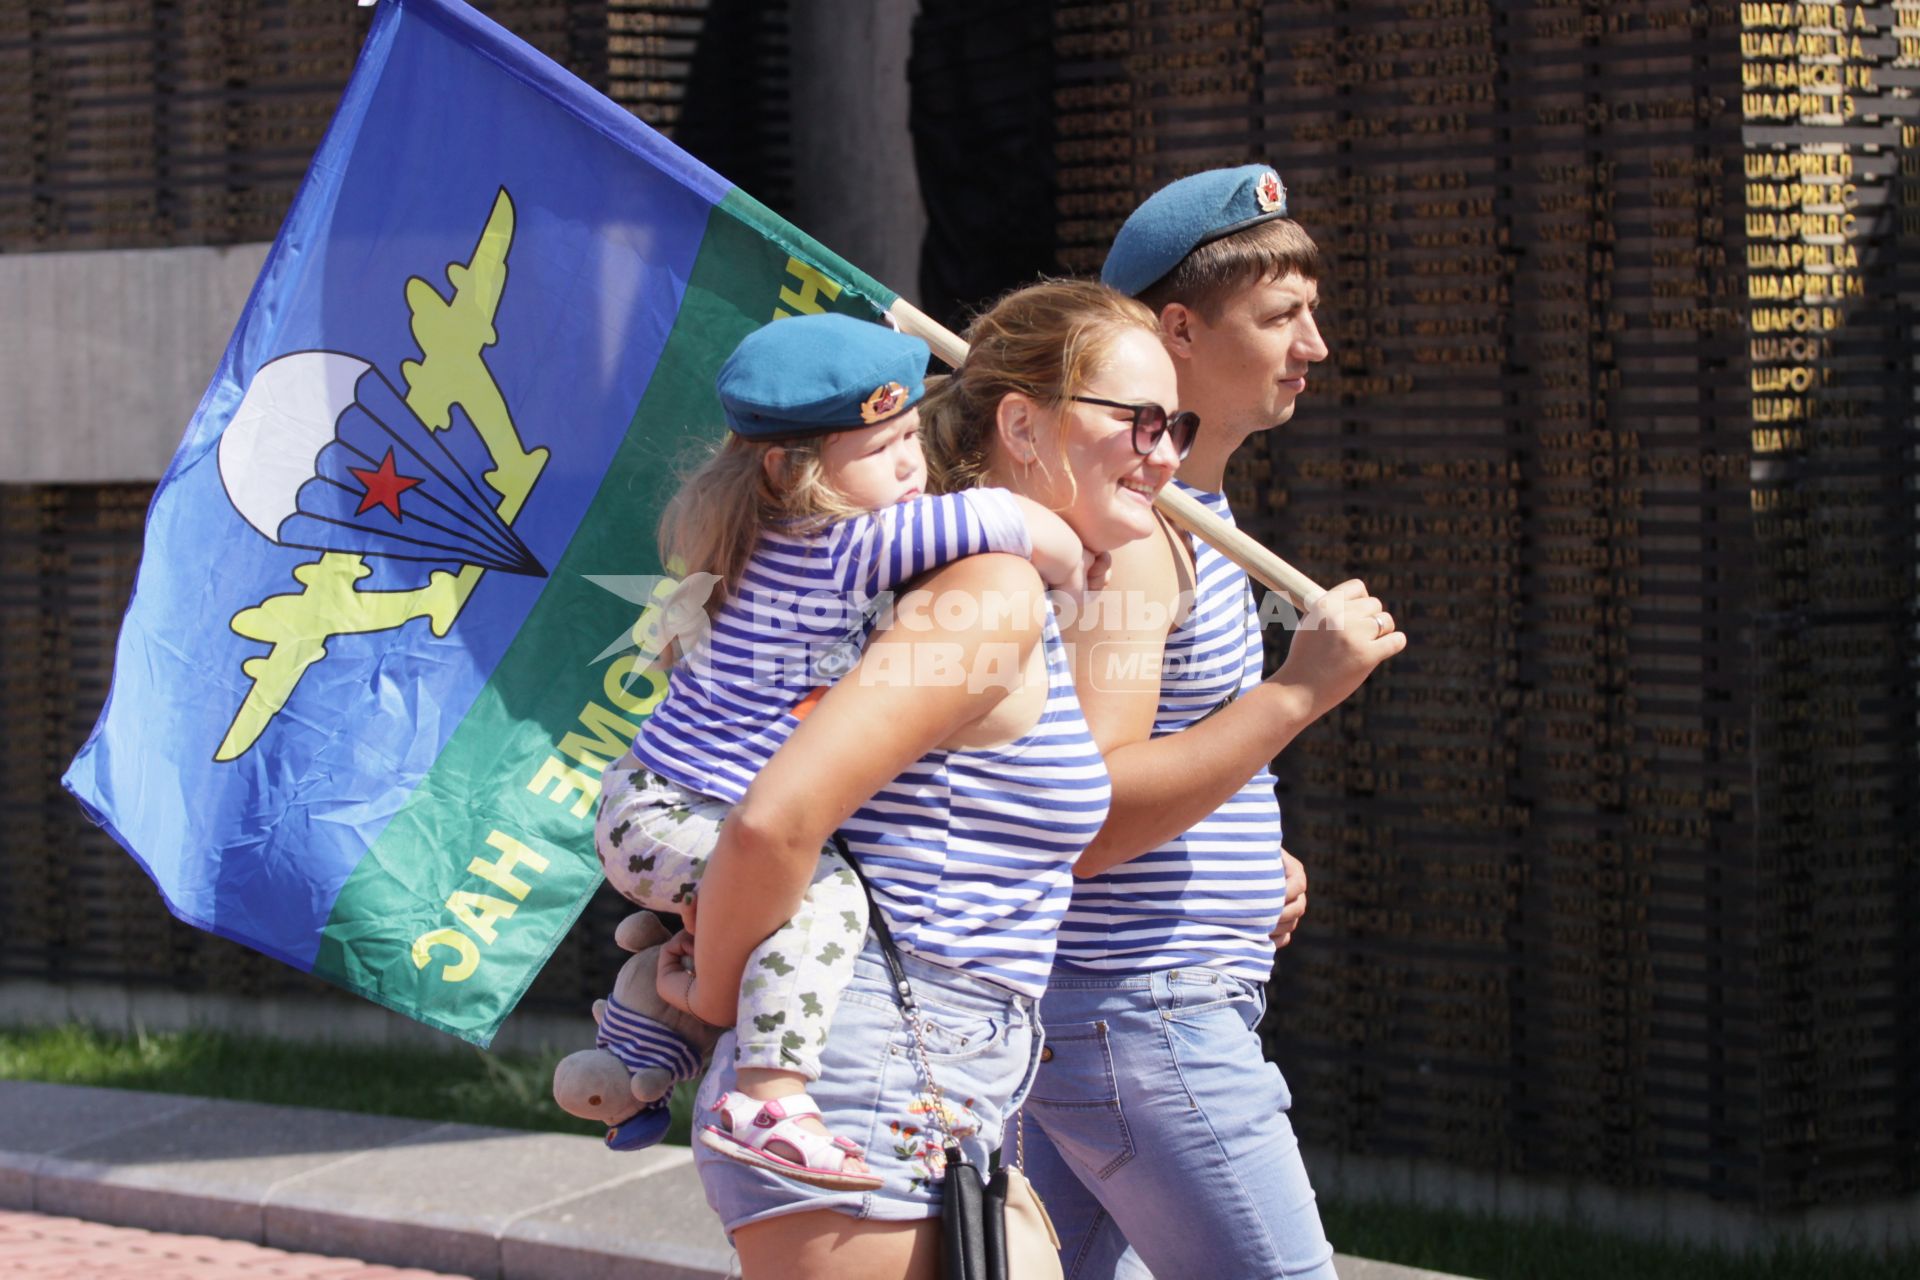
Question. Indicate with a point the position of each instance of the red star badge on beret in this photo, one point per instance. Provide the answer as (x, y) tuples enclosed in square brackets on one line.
[(883, 403)]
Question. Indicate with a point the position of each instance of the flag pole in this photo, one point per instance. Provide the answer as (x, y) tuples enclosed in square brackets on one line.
[(1181, 508)]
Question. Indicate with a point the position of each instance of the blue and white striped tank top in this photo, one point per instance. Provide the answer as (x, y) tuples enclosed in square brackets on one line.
[(1208, 897), (971, 853), (799, 598)]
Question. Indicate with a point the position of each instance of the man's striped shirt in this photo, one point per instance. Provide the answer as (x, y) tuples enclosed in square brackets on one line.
[(1209, 897)]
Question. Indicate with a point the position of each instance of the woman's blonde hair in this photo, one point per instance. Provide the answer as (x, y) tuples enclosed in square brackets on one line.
[(713, 523), (1044, 341)]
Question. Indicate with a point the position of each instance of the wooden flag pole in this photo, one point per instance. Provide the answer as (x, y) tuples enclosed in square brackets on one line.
[(1181, 508)]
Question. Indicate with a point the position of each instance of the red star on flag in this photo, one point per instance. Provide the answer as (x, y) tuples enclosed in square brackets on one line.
[(383, 486)]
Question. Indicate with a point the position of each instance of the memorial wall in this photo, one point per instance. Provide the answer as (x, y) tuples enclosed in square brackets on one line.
[(1613, 869), (133, 123)]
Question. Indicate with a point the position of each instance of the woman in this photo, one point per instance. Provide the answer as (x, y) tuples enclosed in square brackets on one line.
[(956, 763)]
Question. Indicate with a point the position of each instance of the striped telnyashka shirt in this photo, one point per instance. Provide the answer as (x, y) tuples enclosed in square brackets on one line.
[(800, 598), (971, 853), (1211, 896)]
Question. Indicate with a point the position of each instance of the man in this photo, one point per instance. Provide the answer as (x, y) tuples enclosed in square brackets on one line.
[(1159, 1135)]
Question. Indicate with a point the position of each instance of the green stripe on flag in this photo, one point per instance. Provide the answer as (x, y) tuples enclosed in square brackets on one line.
[(476, 880)]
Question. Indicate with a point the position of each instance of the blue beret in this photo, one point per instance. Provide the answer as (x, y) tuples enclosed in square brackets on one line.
[(1181, 216), (808, 375)]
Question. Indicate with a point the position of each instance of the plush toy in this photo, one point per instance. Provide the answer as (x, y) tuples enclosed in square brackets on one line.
[(644, 1045)]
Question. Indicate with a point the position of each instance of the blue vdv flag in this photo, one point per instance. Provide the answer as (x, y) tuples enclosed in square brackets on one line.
[(365, 688)]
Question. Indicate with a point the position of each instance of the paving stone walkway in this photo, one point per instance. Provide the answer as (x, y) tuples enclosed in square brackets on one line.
[(38, 1244)]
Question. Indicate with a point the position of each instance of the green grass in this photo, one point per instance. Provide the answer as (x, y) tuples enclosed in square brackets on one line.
[(1493, 1249), (457, 1084)]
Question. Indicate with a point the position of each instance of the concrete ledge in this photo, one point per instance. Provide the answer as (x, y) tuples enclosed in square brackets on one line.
[(495, 1204)]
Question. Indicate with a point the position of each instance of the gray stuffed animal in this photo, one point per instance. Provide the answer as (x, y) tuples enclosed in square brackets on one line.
[(643, 1047)]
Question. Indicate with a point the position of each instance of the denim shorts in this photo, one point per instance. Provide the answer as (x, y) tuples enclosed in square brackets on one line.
[(983, 1042)]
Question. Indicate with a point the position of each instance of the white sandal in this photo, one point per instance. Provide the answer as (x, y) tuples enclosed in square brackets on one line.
[(752, 1125)]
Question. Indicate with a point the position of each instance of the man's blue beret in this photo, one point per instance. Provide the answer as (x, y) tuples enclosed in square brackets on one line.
[(808, 375), (1181, 216)]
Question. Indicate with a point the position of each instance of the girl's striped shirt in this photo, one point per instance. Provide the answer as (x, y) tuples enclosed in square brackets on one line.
[(801, 611), (970, 853), (1209, 897)]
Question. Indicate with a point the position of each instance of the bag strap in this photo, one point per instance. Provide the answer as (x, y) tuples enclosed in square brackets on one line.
[(902, 988), (877, 921)]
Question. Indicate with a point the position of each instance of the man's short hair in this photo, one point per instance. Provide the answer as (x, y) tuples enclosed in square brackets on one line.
[(1214, 272)]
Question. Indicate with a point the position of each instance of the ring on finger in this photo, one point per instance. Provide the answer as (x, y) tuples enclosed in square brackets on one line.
[(1379, 625)]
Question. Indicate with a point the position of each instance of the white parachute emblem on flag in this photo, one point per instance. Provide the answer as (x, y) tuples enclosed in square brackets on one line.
[(324, 454)]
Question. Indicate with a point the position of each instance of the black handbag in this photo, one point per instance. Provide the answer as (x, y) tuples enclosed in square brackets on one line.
[(992, 1231), (971, 1224), (979, 1238)]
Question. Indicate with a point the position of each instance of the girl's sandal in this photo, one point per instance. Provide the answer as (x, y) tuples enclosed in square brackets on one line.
[(752, 1127)]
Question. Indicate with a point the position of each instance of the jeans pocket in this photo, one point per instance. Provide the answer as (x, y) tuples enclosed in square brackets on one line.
[(950, 1035), (1201, 999), (1076, 1096), (953, 1035)]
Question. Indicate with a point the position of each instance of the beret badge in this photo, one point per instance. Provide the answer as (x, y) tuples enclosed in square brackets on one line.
[(1271, 195), (883, 403)]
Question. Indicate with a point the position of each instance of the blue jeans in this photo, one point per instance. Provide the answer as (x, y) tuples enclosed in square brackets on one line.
[(1155, 1122)]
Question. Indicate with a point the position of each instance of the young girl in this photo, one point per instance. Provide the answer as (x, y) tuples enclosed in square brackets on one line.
[(965, 805), (808, 516)]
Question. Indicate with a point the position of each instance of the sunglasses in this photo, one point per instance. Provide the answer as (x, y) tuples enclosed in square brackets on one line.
[(1150, 422)]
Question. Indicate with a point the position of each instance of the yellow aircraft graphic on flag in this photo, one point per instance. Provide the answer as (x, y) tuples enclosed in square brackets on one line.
[(452, 333)]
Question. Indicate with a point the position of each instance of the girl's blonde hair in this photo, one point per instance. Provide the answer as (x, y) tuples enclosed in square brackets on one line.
[(713, 522), (1044, 341)]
